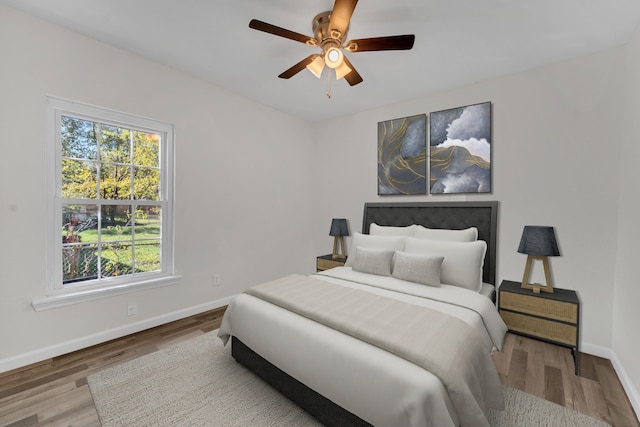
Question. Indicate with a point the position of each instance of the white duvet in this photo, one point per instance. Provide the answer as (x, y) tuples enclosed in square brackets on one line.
[(375, 385)]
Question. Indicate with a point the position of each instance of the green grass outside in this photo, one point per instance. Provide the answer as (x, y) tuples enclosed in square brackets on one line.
[(116, 257)]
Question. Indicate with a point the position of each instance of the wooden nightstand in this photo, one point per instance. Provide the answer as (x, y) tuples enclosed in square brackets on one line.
[(552, 317), (325, 262)]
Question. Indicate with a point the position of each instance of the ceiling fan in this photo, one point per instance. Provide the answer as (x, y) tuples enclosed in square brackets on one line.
[(329, 33)]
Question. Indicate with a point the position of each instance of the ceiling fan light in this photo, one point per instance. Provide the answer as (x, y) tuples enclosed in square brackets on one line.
[(333, 57), (316, 66), (342, 70)]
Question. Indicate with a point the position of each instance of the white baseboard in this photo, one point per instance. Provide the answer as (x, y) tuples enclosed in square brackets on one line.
[(45, 353), (629, 388)]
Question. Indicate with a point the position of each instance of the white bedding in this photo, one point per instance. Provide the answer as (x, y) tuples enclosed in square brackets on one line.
[(375, 385), (487, 289)]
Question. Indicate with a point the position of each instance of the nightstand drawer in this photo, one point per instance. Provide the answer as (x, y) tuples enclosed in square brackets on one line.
[(547, 329), (325, 264), (558, 310)]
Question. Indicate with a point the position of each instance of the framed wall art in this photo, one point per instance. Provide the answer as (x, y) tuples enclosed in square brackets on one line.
[(460, 150), (402, 155)]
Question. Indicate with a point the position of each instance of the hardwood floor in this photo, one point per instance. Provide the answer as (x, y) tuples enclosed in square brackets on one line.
[(55, 392), (547, 371)]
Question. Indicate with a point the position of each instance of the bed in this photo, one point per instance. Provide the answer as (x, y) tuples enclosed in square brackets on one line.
[(347, 349)]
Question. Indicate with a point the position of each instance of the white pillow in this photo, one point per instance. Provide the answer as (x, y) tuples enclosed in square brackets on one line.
[(387, 230), (373, 261), (467, 235), (418, 268), (392, 243), (463, 261)]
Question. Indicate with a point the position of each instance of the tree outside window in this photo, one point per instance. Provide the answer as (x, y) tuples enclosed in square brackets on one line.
[(111, 200)]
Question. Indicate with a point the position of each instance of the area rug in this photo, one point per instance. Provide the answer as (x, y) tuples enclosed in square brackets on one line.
[(198, 383)]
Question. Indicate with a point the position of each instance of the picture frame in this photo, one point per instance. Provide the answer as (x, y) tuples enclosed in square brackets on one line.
[(460, 150), (402, 156)]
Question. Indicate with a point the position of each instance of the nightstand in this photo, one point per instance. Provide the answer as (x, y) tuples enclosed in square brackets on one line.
[(552, 317), (325, 262)]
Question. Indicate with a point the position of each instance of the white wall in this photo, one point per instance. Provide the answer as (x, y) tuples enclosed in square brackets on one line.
[(626, 316), (562, 156), (556, 139), (242, 185), (565, 153)]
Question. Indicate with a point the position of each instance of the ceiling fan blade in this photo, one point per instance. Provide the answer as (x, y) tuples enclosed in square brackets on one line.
[(298, 67), (278, 31), (353, 78), (341, 15), (404, 42)]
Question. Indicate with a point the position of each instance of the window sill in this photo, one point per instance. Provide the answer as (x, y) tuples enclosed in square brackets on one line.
[(55, 301)]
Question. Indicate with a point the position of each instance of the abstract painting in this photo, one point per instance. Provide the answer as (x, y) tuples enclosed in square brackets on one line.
[(460, 150), (402, 156)]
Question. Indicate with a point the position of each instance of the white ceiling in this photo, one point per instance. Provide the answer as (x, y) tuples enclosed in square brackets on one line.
[(458, 42)]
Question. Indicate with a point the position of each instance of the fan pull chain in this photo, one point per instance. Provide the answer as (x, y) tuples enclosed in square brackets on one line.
[(329, 83)]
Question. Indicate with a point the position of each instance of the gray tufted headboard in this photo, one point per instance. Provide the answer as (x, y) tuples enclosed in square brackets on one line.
[(449, 215)]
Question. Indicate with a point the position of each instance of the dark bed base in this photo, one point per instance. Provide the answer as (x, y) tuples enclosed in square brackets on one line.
[(323, 409)]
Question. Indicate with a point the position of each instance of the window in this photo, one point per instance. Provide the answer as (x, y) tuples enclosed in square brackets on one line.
[(111, 212)]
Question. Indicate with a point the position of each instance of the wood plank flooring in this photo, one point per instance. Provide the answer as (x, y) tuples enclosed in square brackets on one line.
[(55, 392), (547, 371)]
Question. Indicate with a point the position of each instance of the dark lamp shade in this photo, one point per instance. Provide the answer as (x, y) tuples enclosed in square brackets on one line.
[(539, 241), (339, 227)]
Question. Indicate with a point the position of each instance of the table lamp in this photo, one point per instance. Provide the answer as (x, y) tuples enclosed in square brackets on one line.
[(338, 231), (539, 243)]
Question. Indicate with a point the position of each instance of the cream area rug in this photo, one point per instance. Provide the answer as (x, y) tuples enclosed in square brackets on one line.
[(198, 383)]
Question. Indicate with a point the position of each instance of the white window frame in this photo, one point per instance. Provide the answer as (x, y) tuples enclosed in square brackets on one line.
[(57, 294)]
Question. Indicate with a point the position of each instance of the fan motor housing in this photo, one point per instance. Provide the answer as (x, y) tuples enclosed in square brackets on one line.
[(321, 32)]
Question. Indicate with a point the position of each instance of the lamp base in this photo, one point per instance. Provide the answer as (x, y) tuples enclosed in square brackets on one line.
[(338, 248), (537, 287)]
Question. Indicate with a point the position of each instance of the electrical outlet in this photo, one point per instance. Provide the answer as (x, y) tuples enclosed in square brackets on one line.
[(216, 280), (132, 309)]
